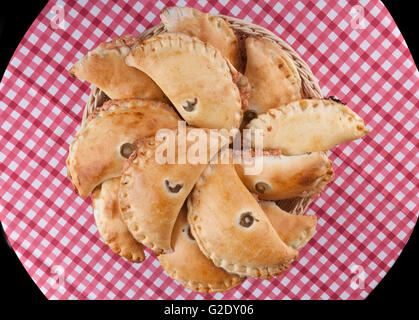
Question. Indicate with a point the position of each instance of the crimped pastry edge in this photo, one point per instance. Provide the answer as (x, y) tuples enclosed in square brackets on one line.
[(304, 106), (127, 214)]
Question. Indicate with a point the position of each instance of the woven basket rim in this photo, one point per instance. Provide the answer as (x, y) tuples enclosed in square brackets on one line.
[(310, 86)]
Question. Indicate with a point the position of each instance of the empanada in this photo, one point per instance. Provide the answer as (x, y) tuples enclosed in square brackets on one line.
[(105, 68), (152, 193), (285, 177), (206, 27), (110, 224), (188, 265), (294, 230), (100, 148), (272, 75), (194, 76), (231, 228), (308, 125)]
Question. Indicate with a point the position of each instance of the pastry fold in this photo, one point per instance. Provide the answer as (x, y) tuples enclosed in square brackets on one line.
[(152, 193), (272, 74), (294, 230), (96, 153)]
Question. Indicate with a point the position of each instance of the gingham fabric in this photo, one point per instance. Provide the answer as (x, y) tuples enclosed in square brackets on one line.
[(365, 216)]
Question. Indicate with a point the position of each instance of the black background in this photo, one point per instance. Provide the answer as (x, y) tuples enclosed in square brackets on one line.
[(15, 19)]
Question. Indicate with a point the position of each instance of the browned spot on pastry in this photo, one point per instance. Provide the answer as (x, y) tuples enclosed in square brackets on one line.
[(246, 219), (127, 149), (173, 188)]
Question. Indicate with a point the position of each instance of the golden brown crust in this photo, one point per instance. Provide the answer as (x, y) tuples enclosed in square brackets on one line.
[(215, 211), (188, 265), (105, 68), (109, 222), (273, 77), (294, 230), (206, 27), (95, 156), (206, 97), (152, 194), (308, 126), (285, 177)]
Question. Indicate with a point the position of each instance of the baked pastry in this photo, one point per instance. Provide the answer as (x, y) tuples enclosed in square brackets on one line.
[(109, 222), (294, 230), (285, 177), (273, 76), (231, 228), (308, 125), (105, 68), (206, 27), (188, 265), (196, 78), (153, 192), (101, 147)]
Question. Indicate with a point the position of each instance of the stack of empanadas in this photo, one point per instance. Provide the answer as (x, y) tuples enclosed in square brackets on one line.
[(210, 223)]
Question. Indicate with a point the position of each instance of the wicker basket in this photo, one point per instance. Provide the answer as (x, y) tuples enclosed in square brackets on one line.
[(243, 29)]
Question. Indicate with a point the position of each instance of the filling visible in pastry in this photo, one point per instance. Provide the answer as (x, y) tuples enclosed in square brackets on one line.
[(173, 187), (110, 224), (196, 78), (206, 27), (105, 68), (285, 177), (308, 126), (188, 265), (190, 105), (101, 147), (231, 228), (273, 77)]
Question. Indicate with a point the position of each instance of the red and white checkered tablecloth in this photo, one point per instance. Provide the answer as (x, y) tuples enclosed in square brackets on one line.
[(365, 216)]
